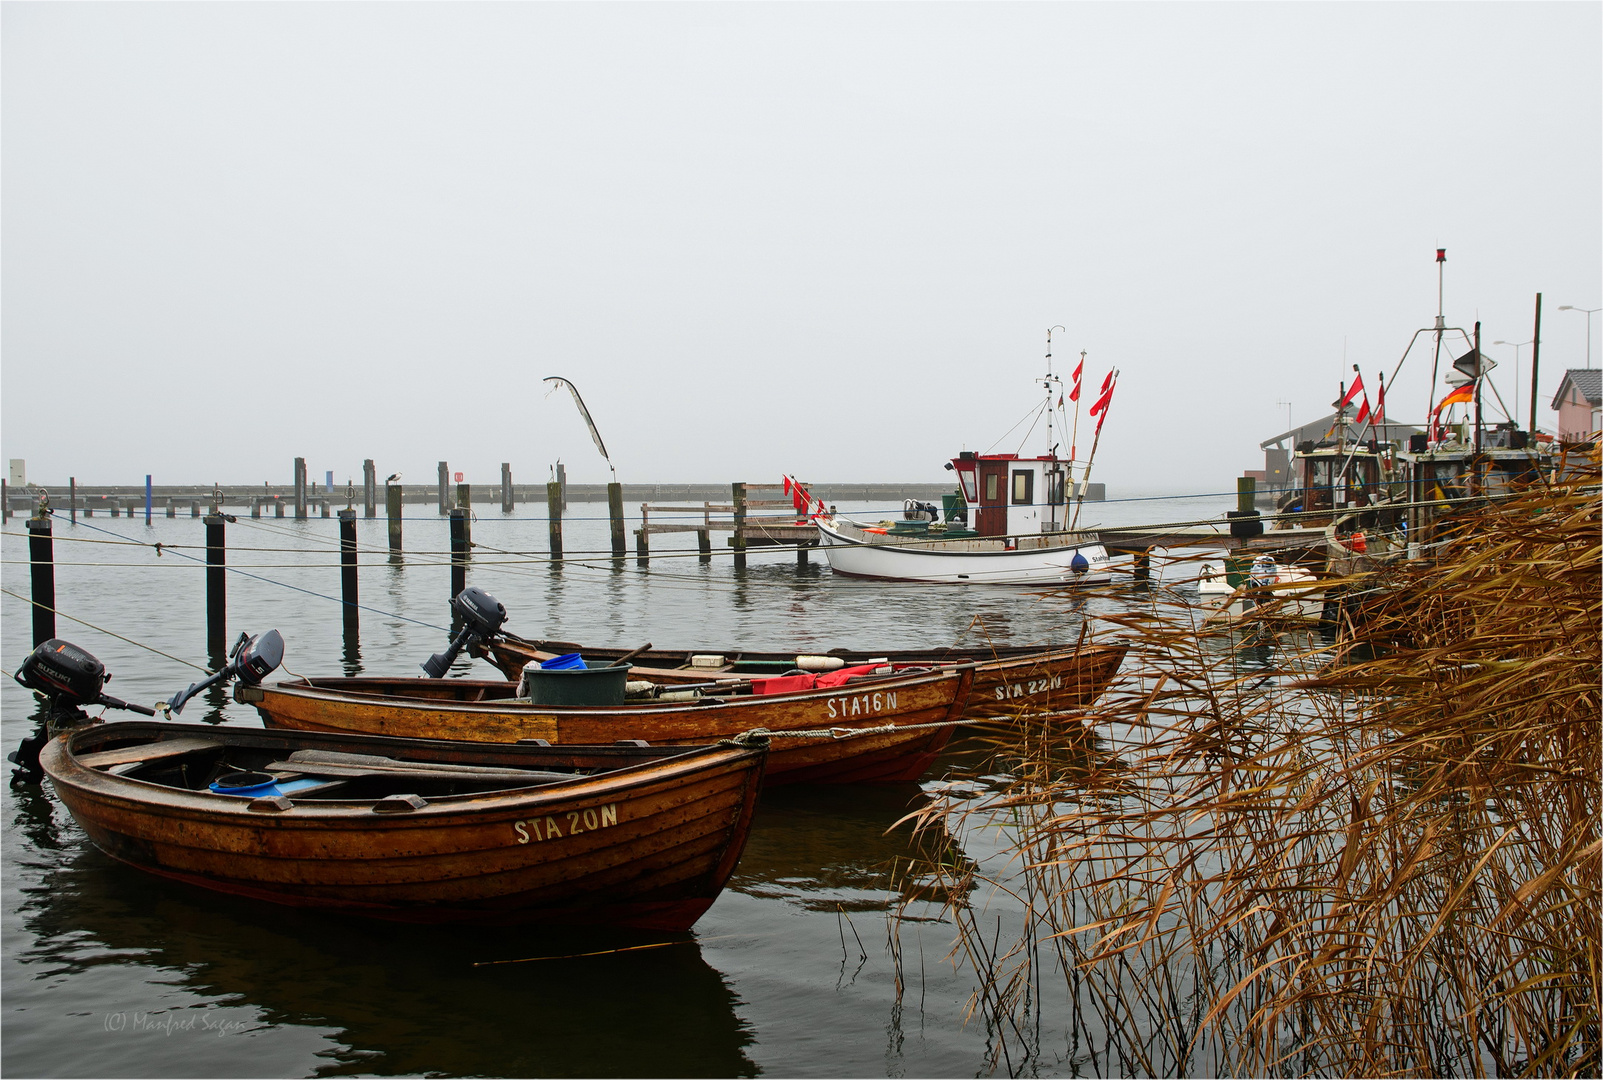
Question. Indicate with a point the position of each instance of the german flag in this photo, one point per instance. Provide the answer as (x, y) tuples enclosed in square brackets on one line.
[(1465, 393)]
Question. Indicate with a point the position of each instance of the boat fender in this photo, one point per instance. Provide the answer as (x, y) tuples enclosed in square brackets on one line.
[(1079, 564), (819, 663), (679, 695), (639, 688)]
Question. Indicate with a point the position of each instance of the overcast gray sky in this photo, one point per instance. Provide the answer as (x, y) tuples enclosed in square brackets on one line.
[(816, 239)]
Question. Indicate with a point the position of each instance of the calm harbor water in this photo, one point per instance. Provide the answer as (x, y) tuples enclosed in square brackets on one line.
[(110, 972)]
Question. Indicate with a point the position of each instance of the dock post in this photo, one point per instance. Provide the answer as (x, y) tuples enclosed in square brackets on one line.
[(459, 550), (562, 481), (369, 489), (553, 510), (172, 509), (216, 587), (620, 545), (5, 501), (256, 508), (464, 502), (801, 556), (348, 565), (278, 508), (147, 498), (72, 498), (738, 541), (1143, 566), (42, 563), (704, 545), (300, 489), (444, 491), (506, 487), (642, 547), (194, 508), (325, 507), (392, 506), (1245, 521)]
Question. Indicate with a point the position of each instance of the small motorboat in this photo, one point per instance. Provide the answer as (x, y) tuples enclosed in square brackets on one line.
[(1009, 680), (870, 723), (416, 830), (405, 829), (1270, 590)]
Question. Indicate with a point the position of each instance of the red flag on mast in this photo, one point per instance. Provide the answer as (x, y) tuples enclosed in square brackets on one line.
[(1074, 395), (1352, 392)]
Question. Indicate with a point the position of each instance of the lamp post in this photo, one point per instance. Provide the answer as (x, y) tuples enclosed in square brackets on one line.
[(1589, 311), (1518, 345)]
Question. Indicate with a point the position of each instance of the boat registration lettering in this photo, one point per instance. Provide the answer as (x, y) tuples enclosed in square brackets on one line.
[(1028, 688), (570, 823), (843, 708)]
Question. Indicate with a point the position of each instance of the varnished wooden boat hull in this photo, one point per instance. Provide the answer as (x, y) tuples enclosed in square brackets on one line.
[(1008, 680), (880, 727), (649, 845)]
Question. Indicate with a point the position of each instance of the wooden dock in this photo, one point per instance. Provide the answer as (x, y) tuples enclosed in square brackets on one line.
[(744, 529)]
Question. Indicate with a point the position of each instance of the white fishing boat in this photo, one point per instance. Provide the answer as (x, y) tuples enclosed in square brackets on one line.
[(1268, 590), (1009, 523)]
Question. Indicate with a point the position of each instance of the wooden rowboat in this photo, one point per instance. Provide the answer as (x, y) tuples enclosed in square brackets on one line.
[(887, 730), (1009, 680), (416, 830)]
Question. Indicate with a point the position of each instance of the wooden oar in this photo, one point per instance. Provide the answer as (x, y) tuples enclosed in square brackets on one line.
[(630, 655), (332, 763)]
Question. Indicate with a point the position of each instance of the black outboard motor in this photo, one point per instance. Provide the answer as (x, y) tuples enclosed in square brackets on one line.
[(68, 680), (481, 615), (251, 661)]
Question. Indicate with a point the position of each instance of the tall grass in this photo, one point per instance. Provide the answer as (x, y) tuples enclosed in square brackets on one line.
[(1373, 855)]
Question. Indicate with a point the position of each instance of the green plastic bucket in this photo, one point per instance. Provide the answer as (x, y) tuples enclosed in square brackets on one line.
[(577, 686)]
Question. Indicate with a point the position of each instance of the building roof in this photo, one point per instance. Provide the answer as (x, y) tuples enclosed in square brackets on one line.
[(1320, 429), (1588, 382)]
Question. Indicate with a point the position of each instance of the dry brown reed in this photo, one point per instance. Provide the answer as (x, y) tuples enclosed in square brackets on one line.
[(1371, 855)]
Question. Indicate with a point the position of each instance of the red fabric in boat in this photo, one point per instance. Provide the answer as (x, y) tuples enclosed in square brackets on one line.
[(784, 684), (839, 676), (795, 684)]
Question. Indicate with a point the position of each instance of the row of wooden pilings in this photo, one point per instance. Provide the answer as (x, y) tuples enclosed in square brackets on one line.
[(41, 557)]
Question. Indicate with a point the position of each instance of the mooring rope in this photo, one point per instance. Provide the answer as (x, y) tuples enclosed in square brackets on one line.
[(102, 629)]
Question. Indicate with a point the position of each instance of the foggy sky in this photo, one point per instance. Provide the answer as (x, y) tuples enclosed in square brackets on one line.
[(821, 239)]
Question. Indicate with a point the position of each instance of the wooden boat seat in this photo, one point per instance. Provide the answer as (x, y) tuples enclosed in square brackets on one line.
[(138, 755)]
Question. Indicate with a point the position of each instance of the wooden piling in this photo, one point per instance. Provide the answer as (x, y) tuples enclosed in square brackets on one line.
[(72, 498), (348, 565), (464, 501), (369, 489), (704, 545), (216, 587), (1143, 567), (194, 508), (392, 507), (738, 541), (278, 508), (801, 556), (506, 487), (459, 550), (172, 509), (5, 501), (615, 511), (444, 490), (642, 543), (148, 492), (553, 507), (1246, 493), (42, 563), (300, 489)]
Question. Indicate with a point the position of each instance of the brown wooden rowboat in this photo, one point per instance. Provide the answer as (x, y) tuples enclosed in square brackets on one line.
[(867, 732), (419, 830), (1009, 680)]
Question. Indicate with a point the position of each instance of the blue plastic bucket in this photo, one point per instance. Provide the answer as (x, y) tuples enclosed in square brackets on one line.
[(249, 784), (566, 662)]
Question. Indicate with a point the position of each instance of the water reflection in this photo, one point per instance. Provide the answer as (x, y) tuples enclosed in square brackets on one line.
[(839, 848), (371, 997)]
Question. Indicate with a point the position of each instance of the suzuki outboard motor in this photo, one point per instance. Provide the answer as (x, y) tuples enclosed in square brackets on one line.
[(251, 661), (68, 680), (481, 615)]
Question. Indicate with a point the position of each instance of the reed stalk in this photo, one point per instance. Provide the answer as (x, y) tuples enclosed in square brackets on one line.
[(1275, 854)]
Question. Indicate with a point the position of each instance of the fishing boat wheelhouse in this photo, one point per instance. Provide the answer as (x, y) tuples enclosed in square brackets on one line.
[(1006, 495)]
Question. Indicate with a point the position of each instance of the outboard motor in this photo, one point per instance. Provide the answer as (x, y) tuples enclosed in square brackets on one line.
[(251, 660), (68, 680), (481, 615)]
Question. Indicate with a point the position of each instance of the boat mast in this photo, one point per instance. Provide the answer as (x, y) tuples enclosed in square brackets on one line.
[(1441, 327)]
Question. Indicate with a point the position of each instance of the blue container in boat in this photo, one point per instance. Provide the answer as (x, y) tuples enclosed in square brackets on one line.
[(248, 784), (566, 662)]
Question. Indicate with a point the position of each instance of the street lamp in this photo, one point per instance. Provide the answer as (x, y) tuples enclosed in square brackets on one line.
[(1589, 311), (1517, 346)]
